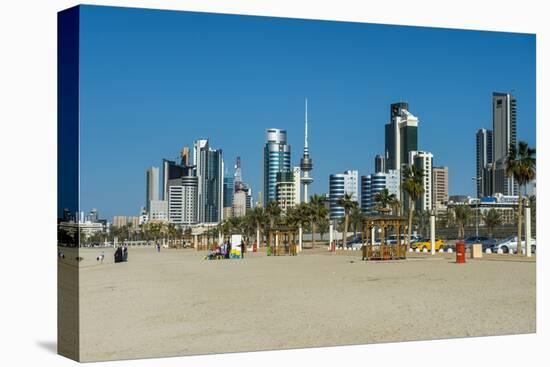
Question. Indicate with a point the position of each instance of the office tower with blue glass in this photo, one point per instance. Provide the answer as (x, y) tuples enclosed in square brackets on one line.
[(276, 159), (209, 168), (341, 184), (373, 184)]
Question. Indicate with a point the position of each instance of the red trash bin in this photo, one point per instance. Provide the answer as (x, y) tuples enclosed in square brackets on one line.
[(460, 252)]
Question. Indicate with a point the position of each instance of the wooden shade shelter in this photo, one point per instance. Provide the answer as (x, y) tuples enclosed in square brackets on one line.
[(384, 251), (283, 241)]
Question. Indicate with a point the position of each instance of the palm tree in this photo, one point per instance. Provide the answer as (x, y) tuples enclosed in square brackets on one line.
[(462, 215), (492, 218), (273, 212), (520, 164), (356, 218), (318, 212), (129, 230), (420, 219), (171, 231), (303, 215), (259, 217), (413, 185), (347, 203), (385, 199), (323, 226)]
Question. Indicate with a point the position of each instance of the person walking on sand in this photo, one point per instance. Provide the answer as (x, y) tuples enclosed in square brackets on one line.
[(125, 253), (158, 247), (243, 249)]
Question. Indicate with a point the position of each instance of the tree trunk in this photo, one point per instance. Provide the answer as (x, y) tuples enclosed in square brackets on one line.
[(410, 224), (345, 237), (520, 205), (312, 234)]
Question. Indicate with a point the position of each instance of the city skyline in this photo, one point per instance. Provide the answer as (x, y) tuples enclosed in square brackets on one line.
[(349, 88)]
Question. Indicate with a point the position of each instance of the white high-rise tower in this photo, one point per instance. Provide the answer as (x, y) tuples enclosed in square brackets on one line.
[(306, 163)]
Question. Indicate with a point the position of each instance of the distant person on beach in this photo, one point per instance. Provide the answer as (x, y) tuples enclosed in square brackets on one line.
[(118, 254), (158, 247), (243, 249), (125, 253), (228, 249)]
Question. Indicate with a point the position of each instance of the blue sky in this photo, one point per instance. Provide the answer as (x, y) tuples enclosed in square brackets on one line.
[(153, 81)]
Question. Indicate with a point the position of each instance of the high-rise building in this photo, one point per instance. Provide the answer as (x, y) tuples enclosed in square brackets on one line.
[(152, 185), (209, 168), (175, 204), (306, 164), (93, 216), (228, 191), (249, 199), (339, 185), (424, 161), (158, 210), (484, 156), (488, 180), (504, 124), (502, 184), (504, 135), (121, 220), (288, 182), (172, 170), (379, 164), (239, 204), (238, 175), (373, 184), (440, 189), (401, 136), (276, 159), (183, 201), (260, 201)]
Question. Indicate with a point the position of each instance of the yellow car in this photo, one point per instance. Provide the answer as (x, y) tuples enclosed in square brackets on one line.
[(427, 244)]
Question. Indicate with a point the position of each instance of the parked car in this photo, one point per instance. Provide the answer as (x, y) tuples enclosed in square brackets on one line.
[(350, 240), (510, 245), (392, 240), (427, 244), (355, 244), (486, 242)]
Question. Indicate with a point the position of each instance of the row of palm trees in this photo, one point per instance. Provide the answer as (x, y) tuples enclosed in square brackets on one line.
[(258, 221)]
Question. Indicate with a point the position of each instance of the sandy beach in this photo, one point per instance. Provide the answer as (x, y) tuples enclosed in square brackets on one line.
[(176, 303)]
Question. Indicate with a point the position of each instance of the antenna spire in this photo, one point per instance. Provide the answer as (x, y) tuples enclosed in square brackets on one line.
[(305, 136)]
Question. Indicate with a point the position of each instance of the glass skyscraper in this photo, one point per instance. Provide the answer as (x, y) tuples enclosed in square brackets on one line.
[(401, 136), (228, 190), (504, 135), (484, 157), (276, 159), (209, 166)]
